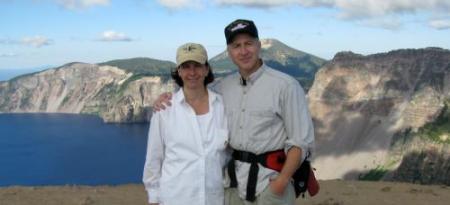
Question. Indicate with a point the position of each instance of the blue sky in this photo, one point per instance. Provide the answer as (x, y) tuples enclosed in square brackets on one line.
[(38, 33)]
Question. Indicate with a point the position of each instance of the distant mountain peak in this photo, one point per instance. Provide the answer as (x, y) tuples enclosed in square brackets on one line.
[(279, 56), (405, 53), (342, 55), (267, 43), (142, 65), (72, 64)]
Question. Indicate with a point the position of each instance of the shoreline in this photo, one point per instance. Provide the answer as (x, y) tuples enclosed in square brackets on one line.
[(333, 192)]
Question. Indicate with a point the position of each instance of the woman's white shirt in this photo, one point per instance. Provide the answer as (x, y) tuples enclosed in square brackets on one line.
[(184, 166)]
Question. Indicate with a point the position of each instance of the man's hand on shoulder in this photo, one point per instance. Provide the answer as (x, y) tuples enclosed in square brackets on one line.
[(162, 101)]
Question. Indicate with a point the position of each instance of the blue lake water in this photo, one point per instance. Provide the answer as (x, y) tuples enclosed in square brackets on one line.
[(59, 149), (7, 74)]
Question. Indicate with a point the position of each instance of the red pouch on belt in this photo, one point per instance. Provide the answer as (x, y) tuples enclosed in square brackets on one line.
[(313, 184), (304, 178), (275, 160)]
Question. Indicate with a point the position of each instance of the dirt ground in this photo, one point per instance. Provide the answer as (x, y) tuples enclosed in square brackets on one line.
[(333, 192)]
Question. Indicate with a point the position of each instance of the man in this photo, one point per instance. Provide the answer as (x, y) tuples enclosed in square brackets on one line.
[(267, 112)]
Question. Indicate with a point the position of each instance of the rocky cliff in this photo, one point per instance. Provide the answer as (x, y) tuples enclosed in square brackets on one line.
[(114, 94), (123, 90), (422, 156), (360, 102)]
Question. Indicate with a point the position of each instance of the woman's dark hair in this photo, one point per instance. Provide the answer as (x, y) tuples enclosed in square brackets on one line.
[(208, 79)]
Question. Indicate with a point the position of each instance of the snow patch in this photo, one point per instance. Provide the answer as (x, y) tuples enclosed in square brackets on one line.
[(266, 43)]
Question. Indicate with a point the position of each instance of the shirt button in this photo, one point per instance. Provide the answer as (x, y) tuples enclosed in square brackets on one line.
[(245, 92), (243, 110), (240, 127)]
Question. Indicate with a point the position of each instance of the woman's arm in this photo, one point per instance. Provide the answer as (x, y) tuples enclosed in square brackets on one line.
[(154, 159)]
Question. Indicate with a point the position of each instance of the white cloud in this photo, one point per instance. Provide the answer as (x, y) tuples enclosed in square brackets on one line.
[(256, 3), (81, 4), (7, 55), (365, 12), (355, 7), (440, 24), (36, 41), (179, 4), (379, 8), (114, 36), (386, 23)]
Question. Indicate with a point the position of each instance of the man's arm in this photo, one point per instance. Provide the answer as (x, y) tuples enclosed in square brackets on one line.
[(299, 130), (162, 101)]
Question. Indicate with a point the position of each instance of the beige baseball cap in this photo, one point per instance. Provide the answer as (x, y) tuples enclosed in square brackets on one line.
[(191, 52)]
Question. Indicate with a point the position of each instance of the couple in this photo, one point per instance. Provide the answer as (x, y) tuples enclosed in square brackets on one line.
[(259, 112)]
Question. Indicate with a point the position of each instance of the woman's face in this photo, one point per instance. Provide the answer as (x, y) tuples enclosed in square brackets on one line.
[(193, 74)]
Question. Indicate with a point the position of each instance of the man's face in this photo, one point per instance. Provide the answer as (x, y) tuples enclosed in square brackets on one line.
[(244, 52)]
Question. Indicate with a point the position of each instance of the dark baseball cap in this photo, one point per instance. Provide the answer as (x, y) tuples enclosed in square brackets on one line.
[(240, 26)]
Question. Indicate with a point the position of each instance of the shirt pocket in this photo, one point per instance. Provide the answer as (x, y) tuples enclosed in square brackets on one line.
[(260, 123)]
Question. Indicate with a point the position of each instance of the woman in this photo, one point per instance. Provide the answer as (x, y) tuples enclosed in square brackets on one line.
[(187, 142)]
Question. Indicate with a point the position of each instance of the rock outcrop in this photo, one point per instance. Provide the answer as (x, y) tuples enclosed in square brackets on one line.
[(420, 160), (359, 102), (110, 92)]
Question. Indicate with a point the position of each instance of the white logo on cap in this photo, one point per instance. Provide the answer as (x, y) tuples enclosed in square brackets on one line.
[(239, 26)]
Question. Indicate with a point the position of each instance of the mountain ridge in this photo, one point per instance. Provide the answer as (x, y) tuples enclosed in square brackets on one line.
[(361, 107), (119, 90)]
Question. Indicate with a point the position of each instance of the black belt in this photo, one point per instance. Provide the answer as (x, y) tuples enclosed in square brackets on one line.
[(253, 159)]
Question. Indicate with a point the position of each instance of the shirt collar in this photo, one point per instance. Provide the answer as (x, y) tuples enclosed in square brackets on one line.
[(180, 98)]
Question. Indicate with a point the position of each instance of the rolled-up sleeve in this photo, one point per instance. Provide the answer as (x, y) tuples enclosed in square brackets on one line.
[(154, 159), (297, 119)]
